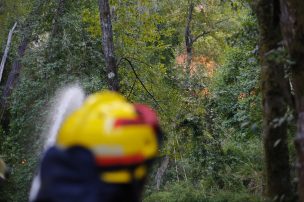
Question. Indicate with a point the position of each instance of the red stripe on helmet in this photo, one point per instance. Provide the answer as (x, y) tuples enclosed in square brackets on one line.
[(145, 116), (125, 122), (119, 161)]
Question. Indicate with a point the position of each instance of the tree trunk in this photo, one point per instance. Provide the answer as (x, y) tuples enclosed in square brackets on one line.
[(275, 88), (292, 26), (13, 76), (161, 171), (9, 39), (108, 45), (189, 40)]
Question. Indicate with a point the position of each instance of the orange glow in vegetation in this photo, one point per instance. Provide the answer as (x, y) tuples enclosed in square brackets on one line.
[(242, 96), (209, 65), (205, 92)]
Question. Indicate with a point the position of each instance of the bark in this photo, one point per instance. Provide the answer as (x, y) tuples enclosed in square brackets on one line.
[(108, 45), (13, 76), (275, 91), (161, 171), (299, 143), (189, 39), (292, 26), (9, 39)]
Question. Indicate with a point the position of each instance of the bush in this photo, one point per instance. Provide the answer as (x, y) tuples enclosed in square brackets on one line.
[(185, 192)]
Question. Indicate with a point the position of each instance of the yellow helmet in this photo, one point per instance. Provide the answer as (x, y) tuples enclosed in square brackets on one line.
[(117, 132)]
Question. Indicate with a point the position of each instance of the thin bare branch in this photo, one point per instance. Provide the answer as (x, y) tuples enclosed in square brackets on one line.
[(194, 39), (132, 88), (200, 35), (8, 44), (140, 81)]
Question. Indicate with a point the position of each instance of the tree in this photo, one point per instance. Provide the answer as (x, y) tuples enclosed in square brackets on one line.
[(292, 26), (276, 97), (4, 57), (189, 40), (206, 132), (28, 29), (108, 45)]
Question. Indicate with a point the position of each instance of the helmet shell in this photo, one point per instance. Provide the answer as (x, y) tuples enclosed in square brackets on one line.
[(112, 129)]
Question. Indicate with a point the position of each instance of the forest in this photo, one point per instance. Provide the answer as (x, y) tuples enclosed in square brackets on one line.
[(226, 78)]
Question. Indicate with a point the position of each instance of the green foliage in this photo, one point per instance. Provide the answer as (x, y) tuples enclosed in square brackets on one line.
[(71, 56), (185, 192), (212, 139), (236, 84), (11, 12)]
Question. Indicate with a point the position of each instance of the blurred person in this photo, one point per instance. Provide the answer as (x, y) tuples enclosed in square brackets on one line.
[(103, 153)]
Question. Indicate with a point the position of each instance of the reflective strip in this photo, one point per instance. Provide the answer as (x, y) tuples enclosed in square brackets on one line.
[(115, 150)]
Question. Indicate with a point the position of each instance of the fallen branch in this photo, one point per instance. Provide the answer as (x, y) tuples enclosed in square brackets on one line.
[(4, 57)]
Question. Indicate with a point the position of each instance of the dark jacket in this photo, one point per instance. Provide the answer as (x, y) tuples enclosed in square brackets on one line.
[(72, 176)]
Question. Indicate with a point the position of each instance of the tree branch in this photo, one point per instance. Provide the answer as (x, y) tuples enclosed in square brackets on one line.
[(140, 81), (194, 39), (131, 89), (200, 35)]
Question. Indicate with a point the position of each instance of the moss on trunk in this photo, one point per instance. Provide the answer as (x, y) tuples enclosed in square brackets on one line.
[(275, 89), (292, 26)]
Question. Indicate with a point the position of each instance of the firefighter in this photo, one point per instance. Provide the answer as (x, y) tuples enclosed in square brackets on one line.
[(103, 153)]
